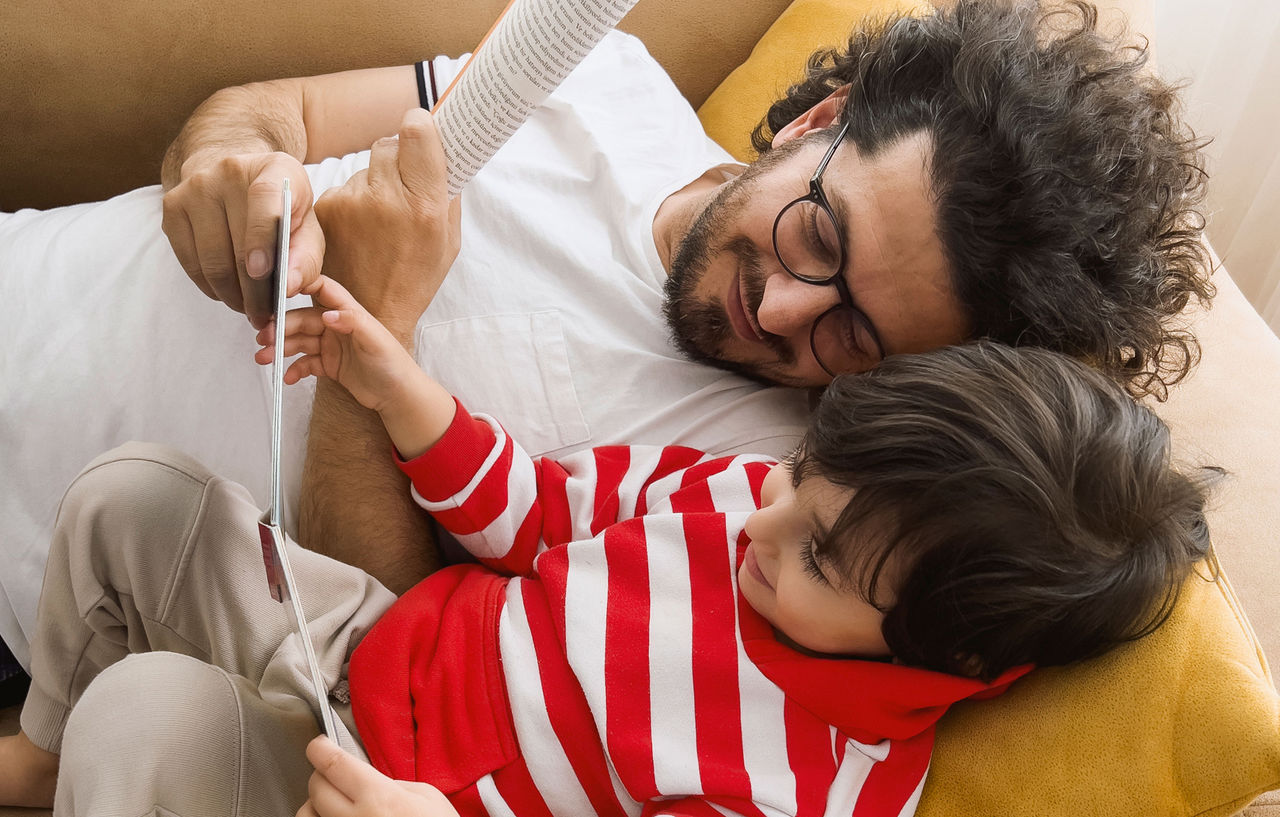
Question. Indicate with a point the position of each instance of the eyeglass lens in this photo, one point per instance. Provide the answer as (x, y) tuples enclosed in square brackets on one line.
[(808, 245)]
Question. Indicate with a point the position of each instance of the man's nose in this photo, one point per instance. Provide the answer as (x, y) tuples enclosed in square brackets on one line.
[(790, 306)]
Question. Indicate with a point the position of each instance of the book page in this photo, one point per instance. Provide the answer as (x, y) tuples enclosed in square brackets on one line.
[(531, 49)]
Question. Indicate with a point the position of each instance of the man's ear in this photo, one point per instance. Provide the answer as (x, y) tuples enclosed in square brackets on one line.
[(816, 118)]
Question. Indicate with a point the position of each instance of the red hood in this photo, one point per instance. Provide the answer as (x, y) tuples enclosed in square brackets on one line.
[(866, 700)]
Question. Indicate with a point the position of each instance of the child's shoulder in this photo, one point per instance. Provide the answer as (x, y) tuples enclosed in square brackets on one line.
[(714, 484)]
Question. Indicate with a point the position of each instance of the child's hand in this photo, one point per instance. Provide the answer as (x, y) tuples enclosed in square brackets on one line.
[(343, 786), (339, 339)]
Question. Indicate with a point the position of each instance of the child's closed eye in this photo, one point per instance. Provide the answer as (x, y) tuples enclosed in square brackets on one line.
[(809, 560)]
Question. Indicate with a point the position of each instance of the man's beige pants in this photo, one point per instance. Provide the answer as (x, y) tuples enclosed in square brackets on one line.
[(163, 672)]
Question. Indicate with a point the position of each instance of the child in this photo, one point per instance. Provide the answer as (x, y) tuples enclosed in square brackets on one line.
[(684, 635)]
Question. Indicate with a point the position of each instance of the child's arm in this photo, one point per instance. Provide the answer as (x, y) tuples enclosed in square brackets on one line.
[(338, 339), (506, 508), (479, 483)]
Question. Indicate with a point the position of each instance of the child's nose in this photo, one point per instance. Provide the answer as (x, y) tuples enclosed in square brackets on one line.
[(762, 528)]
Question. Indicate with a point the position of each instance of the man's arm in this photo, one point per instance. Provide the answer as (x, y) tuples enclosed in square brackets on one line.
[(393, 234), (356, 506), (223, 177), (222, 174)]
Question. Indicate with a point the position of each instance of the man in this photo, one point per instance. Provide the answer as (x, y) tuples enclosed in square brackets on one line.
[(984, 172), (994, 175)]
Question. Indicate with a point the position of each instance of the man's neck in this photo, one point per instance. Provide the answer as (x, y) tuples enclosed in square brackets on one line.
[(677, 212)]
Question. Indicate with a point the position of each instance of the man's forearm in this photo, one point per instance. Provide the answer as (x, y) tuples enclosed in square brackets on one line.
[(310, 118), (356, 506), (389, 244), (259, 118)]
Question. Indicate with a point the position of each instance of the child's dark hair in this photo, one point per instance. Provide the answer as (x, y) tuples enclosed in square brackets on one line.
[(1028, 506)]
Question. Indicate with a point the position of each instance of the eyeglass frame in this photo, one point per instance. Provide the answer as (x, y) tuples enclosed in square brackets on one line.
[(818, 196)]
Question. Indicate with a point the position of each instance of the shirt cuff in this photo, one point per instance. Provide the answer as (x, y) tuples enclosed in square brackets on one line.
[(447, 467)]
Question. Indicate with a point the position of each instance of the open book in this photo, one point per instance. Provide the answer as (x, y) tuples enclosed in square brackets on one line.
[(275, 554), (524, 57)]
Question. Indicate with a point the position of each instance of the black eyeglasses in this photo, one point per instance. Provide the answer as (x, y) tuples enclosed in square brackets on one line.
[(810, 246)]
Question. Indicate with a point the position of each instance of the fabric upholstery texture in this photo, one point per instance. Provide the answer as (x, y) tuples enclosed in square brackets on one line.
[(100, 89), (1187, 721)]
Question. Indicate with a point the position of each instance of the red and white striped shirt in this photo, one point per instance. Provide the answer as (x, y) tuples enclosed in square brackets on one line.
[(620, 672)]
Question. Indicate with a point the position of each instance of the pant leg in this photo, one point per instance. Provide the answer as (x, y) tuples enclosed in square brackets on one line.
[(166, 734), (153, 552)]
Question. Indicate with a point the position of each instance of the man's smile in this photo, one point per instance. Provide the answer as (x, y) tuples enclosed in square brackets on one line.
[(736, 310)]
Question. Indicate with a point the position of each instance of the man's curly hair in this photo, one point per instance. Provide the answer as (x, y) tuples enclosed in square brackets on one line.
[(1067, 188)]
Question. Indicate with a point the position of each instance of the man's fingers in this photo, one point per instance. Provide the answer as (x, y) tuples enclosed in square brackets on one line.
[(263, 211), (306, 254), (261, 224), (421, 154), (349, 775), (384, 172), (177, 226), (217, 255), (258, 295)]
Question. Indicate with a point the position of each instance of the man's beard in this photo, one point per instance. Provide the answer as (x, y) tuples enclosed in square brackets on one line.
[(700, 328)]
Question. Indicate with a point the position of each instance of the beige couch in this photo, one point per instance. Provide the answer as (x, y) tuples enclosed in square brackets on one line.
[(94, 91)]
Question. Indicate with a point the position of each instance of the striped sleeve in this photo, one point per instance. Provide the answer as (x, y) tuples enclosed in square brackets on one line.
[(688, 807), (506, 508)]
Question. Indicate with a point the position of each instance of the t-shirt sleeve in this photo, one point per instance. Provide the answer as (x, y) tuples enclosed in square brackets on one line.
[(435, 76)]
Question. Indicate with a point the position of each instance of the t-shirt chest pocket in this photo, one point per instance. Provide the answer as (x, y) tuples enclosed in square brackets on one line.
[(514, 366)]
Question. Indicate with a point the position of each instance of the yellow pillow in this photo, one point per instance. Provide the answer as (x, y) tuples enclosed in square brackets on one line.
[(777, 62), (1184, 722)]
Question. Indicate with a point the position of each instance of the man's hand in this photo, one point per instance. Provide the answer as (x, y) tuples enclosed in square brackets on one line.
[(343, 786), (221, 220), (391, 231)]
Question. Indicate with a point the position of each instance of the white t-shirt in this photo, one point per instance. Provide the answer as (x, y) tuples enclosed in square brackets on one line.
[(550, 319)]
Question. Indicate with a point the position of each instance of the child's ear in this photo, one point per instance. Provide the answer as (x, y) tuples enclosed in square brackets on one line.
[(969, 664)]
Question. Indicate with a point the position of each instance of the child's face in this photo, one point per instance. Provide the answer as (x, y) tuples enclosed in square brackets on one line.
[(805, 600)]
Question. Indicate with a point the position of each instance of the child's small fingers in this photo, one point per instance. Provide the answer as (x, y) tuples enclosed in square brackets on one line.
[(293, 345), (350, 776), (305, 320), (326, 798), (332, 295), (301, 345), (266, 334), (341, 320), (305, 366)]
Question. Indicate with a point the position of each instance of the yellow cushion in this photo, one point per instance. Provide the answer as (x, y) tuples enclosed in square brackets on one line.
[(1184, 722), (777, 62)]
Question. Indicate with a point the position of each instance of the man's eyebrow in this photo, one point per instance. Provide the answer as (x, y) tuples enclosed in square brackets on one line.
[(840, 209)]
